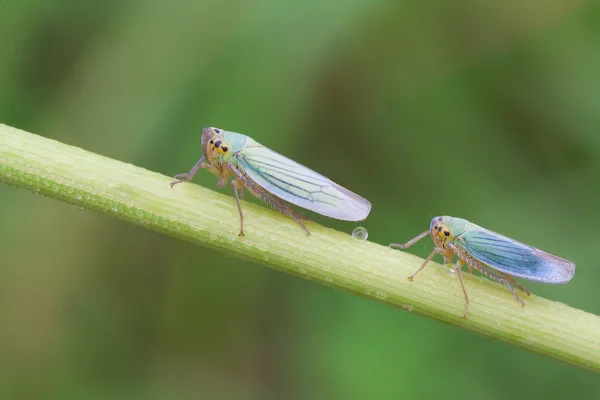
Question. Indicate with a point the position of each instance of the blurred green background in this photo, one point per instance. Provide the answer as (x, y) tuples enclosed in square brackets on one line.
[(488, 112)]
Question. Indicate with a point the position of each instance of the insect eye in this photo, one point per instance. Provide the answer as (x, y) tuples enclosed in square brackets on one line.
[(447, 233), (224, 148)]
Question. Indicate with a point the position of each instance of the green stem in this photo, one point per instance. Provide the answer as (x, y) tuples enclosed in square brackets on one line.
[(193, 213)]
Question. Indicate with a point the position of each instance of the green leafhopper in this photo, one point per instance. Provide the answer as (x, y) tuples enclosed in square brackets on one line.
[(495, 256), (273, 178)]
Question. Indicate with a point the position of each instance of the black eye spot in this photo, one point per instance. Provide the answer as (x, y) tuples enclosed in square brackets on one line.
[(212, 141), (439, 228), (446, 233), (224, 148), (218, 131), (218, 144), (440, 218)]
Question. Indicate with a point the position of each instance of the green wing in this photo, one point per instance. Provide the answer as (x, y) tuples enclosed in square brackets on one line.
[(515, 258), (300, 185)]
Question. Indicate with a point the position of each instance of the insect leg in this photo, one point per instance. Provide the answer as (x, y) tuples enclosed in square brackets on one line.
[(410, 242), (521, 288), (188, 176), (268, 198), (514, 293), (498, 278), (282, 207), (459, 264), (433, 253), (235, 183), (293, 215)]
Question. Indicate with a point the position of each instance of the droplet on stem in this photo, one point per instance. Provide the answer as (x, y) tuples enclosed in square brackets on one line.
[(360, 233)]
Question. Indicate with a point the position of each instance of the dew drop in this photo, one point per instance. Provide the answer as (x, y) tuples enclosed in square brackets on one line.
[(360, 233), (407, 307), (78, 196)]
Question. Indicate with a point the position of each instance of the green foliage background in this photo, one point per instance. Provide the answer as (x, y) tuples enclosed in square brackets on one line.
[(485, 111)]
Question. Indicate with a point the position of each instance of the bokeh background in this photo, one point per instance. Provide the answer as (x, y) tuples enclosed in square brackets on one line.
[(489, 112)]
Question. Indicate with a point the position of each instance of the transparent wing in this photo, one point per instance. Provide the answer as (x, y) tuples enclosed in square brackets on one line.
[(515, 258), (299, 185)]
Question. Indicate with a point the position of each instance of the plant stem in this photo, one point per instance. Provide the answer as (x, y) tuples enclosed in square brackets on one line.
[(193, 213)]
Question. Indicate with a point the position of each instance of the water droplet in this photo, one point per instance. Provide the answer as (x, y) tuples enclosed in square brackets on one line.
[(78, 196), (407, 307), (360, 233), (380, 294), (451, 272)]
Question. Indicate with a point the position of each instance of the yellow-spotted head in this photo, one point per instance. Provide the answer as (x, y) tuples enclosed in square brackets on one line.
[(213, 144), (441, 231)]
